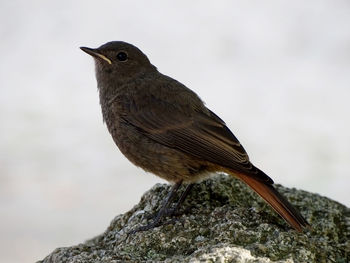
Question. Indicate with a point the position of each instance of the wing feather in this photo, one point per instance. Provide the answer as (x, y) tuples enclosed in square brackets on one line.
[(201, 134)]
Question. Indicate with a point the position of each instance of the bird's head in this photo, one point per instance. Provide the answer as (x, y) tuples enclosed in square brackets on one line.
[(119, 59)]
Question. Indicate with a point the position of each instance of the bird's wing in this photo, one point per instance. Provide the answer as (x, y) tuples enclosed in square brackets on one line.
[(200, 134)]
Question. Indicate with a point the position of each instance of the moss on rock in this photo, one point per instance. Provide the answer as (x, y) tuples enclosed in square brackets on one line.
[(222, 221)]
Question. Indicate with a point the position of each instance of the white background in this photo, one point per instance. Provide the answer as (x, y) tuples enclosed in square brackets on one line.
[(278, 73)]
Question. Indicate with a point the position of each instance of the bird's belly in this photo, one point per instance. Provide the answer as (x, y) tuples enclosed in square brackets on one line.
[(165, 162)]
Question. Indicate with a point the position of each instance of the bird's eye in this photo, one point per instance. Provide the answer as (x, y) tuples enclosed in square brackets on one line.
[(122, 56)]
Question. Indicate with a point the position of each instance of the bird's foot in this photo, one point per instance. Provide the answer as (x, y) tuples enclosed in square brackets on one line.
[(165, 210), (170, 212), (156, 222)]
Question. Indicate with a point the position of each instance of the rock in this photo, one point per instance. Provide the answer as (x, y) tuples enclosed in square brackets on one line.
[(222, 221)]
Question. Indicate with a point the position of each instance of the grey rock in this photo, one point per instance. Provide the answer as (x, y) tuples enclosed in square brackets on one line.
[(222, 220)]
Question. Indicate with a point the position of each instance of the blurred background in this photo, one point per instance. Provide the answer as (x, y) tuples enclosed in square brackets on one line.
[(278, 73)]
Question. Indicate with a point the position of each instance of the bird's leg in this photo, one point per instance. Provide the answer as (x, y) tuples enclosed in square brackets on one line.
[(163, 210), (183, 196), (175, 211)]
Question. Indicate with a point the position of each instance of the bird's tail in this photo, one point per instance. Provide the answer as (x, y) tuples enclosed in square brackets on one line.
[(276, 201)]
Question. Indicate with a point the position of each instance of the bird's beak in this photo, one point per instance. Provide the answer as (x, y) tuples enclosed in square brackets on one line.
[(95, 53)]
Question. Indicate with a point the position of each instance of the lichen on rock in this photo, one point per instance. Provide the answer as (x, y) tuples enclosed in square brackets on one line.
[(222, 220)]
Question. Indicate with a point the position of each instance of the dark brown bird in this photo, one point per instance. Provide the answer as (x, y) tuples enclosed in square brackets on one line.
[(163, 127)]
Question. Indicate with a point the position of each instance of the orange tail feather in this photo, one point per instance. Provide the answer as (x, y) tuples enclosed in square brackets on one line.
[(276, 201)]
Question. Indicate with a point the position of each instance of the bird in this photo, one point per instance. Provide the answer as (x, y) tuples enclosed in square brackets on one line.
[(165, 128)]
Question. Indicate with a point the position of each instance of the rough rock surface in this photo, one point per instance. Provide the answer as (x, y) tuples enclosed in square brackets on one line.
[(222, 221)]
